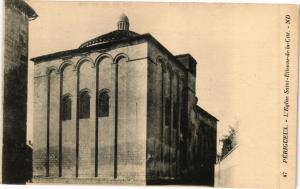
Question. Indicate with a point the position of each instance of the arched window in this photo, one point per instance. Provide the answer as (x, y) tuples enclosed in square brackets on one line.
[(66, 108), (84, 105), (103, 104)]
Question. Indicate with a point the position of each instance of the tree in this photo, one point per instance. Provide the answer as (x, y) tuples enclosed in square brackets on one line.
[(229, 141)]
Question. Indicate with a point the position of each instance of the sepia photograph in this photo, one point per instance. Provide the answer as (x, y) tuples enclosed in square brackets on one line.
[(149, 93)]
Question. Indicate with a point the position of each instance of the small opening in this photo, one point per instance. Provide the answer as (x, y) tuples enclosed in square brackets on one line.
[(84, 105), (66, 108), (168, 112), (175, 115), (103, 104)]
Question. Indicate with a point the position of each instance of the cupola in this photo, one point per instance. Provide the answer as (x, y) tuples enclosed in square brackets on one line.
[(123, 23)]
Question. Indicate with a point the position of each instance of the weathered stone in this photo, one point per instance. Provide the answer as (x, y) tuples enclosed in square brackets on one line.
[(154, 127), (16, 155)]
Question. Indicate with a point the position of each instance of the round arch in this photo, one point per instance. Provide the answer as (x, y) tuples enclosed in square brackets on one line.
[(104, 90), (67, 95), (85, 90), (118, 57), (84, 103), (51, 69), (163, 62), (64, 65), (83, 60), (101, 57)]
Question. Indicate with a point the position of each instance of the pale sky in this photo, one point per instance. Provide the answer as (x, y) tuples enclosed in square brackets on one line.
[(221, 38)]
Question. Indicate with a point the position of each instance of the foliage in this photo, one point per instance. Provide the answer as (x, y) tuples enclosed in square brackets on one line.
[(229, 141)]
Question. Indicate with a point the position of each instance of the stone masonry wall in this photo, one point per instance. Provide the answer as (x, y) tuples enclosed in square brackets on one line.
[(15, 97), (165, 84), (182, 150), (72, 76)]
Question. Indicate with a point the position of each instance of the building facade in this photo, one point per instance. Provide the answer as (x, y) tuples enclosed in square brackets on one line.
[(16, 155), (120, 108)]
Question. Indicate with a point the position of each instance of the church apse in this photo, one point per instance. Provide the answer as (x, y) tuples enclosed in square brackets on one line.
[(120, 109), (178, 130)]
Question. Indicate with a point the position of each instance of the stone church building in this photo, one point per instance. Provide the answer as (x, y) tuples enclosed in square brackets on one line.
[(120, 108)]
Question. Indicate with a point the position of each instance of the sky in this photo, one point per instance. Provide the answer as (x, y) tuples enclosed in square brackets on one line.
[(228, 42)]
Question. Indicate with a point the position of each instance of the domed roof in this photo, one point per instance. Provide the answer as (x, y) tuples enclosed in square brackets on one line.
[(109, 37), (122, 32)]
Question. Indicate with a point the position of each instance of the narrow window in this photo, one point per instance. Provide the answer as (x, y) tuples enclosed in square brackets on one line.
[(175, 115), (84, 105), (103, 105), (168, 112), (66, 108)]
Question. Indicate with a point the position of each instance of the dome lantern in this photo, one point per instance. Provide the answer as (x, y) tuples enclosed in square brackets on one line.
[(123, 23)]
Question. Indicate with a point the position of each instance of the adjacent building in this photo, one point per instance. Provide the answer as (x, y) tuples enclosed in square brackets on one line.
[(120, 108), (16, 155)]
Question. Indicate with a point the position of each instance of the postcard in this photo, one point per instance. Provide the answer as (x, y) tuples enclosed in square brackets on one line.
[(150, 93)]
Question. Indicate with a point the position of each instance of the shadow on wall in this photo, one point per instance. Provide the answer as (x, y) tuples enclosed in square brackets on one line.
[(17, 164), (202, 179), (16, 155)]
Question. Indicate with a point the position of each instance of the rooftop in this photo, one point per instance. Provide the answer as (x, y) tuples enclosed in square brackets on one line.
[(23, 7), (122, 32), (109, 37)]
